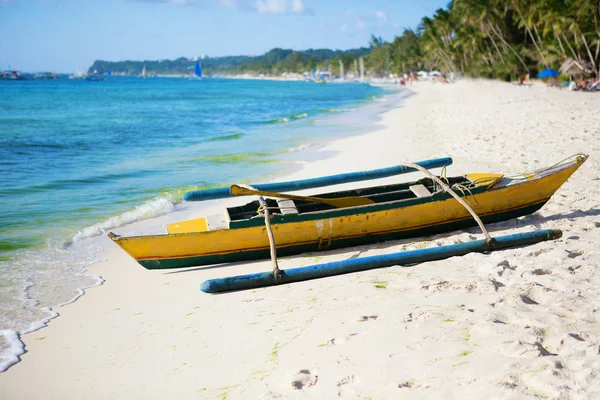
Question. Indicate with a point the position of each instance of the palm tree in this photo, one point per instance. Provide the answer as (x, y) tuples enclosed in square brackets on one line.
[(486, 17)]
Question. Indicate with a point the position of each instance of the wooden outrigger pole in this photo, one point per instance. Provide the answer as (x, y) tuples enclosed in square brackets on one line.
[(263, 279), (220, 193)]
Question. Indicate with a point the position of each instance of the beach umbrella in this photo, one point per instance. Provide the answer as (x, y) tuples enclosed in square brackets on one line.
[(547, 73)]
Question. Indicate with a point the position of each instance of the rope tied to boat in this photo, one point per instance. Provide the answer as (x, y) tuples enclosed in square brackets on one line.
[(264, 208), (464, 190), (574, 159), (466, 205)]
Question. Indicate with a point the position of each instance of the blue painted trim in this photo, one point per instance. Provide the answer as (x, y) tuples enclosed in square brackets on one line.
[(220, 193), (263, 279)]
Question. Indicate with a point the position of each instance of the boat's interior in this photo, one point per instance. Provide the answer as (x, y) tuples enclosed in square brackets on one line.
[(381, 194), (425, 187)]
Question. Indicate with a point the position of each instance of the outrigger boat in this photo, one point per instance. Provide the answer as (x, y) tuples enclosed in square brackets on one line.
[(347, 218)]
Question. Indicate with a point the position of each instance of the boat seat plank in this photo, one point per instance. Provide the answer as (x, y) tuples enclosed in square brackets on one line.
[(216, 222), (287, 206), (210, 223), (420, 190)]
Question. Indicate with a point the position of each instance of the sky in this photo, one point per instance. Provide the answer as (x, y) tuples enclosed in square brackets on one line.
[(61, 35)]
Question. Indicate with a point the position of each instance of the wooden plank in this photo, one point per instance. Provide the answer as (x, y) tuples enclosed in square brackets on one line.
[(420, 190)]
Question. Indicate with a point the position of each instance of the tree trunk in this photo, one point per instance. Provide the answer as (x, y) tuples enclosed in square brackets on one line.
[(531, 36), (560, 44), (570, 48), (578, 46), (538, 36), (485, 59), (510, 47), (589, 52), (495, 45)]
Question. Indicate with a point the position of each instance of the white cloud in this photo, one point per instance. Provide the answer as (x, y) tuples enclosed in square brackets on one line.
[(271, 6), (360, 24), (381, 16), (241, 5), (176, 2), (281, 7), (361, 21), (297, 6)]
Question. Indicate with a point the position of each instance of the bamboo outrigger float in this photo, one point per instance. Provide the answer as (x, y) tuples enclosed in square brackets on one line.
[(375, 214), (220, 193), (264, 279)]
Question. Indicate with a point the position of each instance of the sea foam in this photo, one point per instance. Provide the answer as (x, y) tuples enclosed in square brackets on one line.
[(158, 206)]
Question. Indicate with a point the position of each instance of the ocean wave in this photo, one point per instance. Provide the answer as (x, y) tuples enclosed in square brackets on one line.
[(336, 110), (288, 118), (232, 136), (159, 206), (301, 147), (249, 158)]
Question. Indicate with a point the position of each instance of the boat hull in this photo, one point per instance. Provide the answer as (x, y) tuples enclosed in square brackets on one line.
[(333, 229)]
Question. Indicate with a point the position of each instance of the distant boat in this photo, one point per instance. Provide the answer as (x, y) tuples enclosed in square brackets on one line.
[(95, 76), (45, 75), (144, 72), (79, 74), (12, 75), (198, 70)]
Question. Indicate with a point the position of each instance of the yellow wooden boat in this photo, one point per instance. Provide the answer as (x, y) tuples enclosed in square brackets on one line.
[(381, 213)]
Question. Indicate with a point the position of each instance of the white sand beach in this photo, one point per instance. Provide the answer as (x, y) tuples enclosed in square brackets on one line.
[(522, 323)]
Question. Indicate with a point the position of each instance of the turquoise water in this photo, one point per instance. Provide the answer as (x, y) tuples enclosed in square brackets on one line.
[(79, 157)]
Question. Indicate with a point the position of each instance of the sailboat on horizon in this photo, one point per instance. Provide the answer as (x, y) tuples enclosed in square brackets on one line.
[(198, 70)]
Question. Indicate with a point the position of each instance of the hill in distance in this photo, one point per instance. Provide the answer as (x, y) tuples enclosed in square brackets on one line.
[(274, 62)]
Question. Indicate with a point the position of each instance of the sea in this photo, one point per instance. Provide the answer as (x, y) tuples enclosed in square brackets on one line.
[(78, 158)]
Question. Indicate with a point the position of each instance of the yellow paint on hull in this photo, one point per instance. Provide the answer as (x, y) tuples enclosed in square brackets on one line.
[(192, 225), (323, 231)]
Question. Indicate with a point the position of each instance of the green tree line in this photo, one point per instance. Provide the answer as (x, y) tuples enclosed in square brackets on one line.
[(274, 62), (495, 39)]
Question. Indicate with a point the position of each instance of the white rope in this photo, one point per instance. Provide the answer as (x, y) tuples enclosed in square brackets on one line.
[(273, 248), (447, 189)]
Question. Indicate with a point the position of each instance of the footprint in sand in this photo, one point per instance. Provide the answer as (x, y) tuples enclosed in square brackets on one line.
[(341, 340), (366, 318), (505, 265), (345, 386), (574, 254), (416, 316), (409, 385), (304, 379), (528, 300)]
